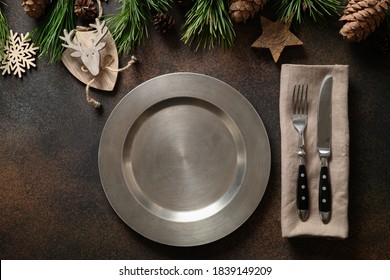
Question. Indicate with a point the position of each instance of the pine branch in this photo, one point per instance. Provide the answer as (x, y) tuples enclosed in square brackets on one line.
[(207, 23), (298, 11), (4, 32), (129, 26), (46, 34)]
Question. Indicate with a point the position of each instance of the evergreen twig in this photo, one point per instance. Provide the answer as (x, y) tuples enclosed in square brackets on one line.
[(298, 11), (129, 26), (4, 32), (46, 34), (207, 23)]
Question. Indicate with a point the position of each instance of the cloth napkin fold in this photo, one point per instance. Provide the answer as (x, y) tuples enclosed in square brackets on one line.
[(313, 75)]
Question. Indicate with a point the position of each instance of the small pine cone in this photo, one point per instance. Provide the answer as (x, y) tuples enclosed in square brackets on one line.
[(241, 10), (34, 8), (163, 22), (85, 9), (362, 18)]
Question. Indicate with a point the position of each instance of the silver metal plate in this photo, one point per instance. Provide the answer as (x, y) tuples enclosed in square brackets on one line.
[(184, 159)]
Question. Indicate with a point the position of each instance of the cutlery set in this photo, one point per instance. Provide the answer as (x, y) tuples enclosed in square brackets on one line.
[(300, 120)]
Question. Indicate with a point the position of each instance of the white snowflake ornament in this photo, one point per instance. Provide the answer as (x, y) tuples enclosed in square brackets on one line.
[(19, 54)]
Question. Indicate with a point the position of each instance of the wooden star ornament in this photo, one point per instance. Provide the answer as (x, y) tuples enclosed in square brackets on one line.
[(275, 36)]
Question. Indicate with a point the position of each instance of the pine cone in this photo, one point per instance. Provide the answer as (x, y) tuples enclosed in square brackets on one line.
[(241, 10), (163, 22), (362, 18), (85, 9), (34, 8)]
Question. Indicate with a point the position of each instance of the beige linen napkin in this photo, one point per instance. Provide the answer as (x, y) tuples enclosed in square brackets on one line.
[(313, 75)]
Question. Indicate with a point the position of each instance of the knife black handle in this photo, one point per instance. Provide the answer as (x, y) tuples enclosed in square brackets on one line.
[(302, 193), (324, 198)]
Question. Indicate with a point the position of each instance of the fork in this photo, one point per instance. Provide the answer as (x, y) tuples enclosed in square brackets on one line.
[(299, 120)]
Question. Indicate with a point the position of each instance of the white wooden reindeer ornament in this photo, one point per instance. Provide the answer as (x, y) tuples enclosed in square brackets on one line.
[(92, 57)]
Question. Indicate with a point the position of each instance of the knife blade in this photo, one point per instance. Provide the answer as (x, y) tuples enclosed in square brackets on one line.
[(324, 136)]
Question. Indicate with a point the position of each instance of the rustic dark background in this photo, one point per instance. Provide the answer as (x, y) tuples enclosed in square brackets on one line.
[(52, 205)]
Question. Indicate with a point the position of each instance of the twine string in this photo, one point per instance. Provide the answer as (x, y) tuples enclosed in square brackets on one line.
[(91, 100), (131, 62)]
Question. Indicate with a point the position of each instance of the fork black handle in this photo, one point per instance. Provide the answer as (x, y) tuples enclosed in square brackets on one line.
[(302, 193)]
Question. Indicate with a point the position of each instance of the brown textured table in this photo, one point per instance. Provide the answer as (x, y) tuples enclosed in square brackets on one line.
[(52, 205)]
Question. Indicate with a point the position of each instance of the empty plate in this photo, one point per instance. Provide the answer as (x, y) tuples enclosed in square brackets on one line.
[(184, 159)]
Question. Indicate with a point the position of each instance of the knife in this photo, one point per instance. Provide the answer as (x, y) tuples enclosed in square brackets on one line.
[(324, 136)]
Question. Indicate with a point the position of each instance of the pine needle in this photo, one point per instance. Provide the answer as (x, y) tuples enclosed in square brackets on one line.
[(46, 34), (4, 32), (298, 11), (129, 26), (208, 23)]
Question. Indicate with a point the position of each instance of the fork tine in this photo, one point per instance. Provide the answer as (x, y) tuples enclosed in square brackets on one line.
[(300, 92), (306, 102), (294, 100), (303, 100)]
